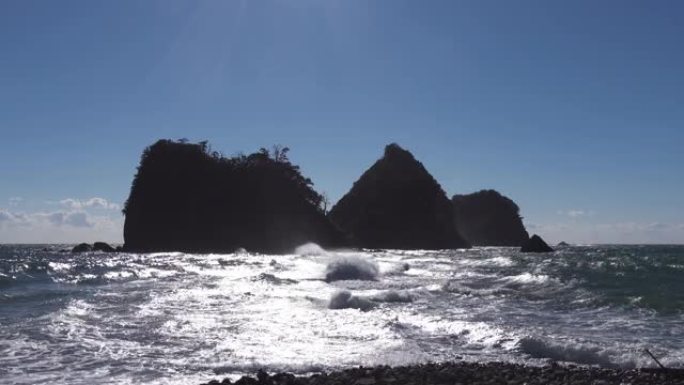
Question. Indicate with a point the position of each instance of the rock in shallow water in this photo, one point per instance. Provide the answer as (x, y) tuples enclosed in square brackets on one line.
[(82, 248), (536, 245), (102, 246)]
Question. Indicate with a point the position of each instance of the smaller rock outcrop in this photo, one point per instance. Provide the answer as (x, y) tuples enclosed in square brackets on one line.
[(82, 248), (562, 244), (102, 246), (536, 245), (487, 218), (97, 246)]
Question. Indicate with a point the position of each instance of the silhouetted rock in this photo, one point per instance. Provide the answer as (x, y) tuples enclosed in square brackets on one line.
[(563, 244), (102, 246), (187, 198), (487, 218), (535, 245), (82, 248), (397, 204)]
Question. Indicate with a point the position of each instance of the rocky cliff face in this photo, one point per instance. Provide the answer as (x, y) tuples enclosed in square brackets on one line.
[(397, 204), (487, 218), (185, 197)]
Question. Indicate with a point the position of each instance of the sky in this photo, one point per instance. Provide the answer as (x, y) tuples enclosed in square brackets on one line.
[(573, 109)]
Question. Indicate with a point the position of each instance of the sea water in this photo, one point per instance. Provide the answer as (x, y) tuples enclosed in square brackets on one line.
[(187, 318)]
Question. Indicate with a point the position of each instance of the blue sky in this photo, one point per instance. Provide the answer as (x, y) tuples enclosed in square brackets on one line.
[(572, 109)]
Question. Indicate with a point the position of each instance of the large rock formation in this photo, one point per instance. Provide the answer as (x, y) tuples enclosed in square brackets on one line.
[(185, 197), (487, 218), (397, 204)]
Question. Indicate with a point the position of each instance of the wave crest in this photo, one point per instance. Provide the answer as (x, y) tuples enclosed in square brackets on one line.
[(345, 300), (568, 352), (351, 267)]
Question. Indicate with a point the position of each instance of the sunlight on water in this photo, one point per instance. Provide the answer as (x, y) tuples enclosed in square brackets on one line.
[(174, 317)]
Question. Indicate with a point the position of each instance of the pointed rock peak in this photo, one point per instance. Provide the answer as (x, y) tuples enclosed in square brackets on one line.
[(394, 149), (536, 245), (396, 154), (397, 204)]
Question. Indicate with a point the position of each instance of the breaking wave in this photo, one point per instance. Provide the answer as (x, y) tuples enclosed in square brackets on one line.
[(344, 268), (344, 299), (568, 352), (310, 249)]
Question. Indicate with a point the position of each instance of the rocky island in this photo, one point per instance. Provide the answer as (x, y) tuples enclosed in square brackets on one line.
[(397, 204), (186, 197), (487, 218)]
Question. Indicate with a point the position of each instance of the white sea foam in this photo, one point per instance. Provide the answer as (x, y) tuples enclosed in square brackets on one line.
[(351, 268), (309, 249), (567, 351), (345, 300), (189, 317)]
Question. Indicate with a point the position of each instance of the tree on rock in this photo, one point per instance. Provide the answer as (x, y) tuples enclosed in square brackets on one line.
[(187, 197)]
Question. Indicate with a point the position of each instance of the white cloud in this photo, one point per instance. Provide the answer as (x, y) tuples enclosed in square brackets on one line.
[(66, 218), (14, 201), (60, 226), (76, 218), (12, 218), (95, 202)]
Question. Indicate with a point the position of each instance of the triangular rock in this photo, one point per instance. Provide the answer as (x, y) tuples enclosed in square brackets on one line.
[(536, 245), (397, 204)]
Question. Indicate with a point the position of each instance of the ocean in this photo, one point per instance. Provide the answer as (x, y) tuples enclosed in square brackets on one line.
[(176, 318)]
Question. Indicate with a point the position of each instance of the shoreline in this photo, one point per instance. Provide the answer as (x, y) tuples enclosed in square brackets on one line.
[(467, 373)]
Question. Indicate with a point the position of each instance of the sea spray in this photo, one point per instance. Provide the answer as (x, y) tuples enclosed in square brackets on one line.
[(398, 296), (344, 299), (351, 267), (311, 249), (568, 352)]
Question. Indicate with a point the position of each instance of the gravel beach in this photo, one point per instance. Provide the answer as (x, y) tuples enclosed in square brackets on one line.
[(469, 373)]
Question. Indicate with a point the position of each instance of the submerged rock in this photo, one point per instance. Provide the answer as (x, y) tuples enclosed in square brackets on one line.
[(536, 245), (397, 204), (82, 248), (487, 218), (186, 197)]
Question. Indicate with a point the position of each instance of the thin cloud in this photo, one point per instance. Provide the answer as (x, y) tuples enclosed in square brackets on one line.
[(74, 218), (576, 213), (95, 202), (12, 218), (54, 219), (15, 201), (617, 232)]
